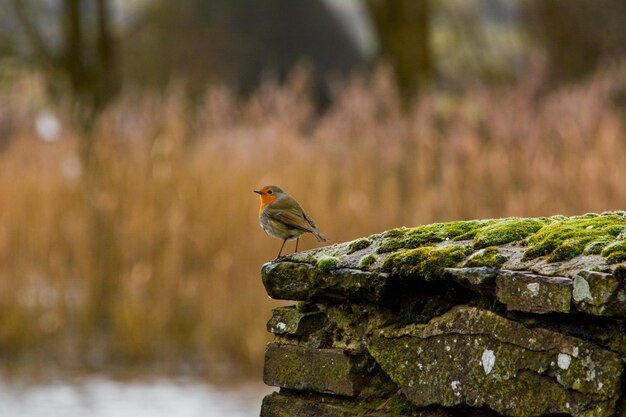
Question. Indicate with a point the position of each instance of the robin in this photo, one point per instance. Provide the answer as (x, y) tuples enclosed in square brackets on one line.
[(282, 217)]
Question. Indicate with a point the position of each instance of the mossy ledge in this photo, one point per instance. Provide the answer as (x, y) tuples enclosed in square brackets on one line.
[(533, 308)]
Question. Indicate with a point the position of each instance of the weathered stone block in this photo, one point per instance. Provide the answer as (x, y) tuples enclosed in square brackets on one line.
[(532, 293), (480, 279), (524, 365), (290, 320), (279, 405), (321, 370), (473, 356), (599, 293), (304, 282)]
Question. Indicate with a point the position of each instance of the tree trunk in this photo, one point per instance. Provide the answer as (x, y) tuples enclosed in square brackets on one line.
[(403, 29)]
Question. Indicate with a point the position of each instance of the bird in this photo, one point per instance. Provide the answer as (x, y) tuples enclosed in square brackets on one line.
[(282, 217)]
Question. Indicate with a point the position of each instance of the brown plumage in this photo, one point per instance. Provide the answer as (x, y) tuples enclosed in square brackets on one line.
[(282, 217)]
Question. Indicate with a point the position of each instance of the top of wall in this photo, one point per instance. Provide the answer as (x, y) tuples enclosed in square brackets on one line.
[(539, 265)]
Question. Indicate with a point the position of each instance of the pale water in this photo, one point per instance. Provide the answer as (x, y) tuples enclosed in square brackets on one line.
[(103, 397)]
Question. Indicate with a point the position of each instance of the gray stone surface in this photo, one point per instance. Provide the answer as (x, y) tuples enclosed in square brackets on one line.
[(290, 320), (473, 356), (533, 293), (321, 370), (280, 405), (386, 327), (480, 279), (365, 269), (599, 293), (303, 282)]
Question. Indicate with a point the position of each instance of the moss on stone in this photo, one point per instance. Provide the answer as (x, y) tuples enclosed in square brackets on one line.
[(358, 245), (566, 238), (367, 261), (440, 231), (569, 249), (303, 306), (427, 262), (615, 252), (596, 246), (616, 257), (421, 311), (298, 367), (327, 263), (293, 321), (397, 232), (474, 356), (399, 405), (490, 257), (390, 245), (287, 280), (428, 234), (559, 237), (506, 231)]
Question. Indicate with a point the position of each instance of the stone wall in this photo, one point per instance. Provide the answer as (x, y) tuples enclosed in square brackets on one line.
[(512, 317)]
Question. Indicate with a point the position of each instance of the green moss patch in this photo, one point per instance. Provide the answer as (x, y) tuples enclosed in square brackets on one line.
[(327, 263), (615, 252), (367, 261), (358, 245), (506, 231), (429, 234), (398, 232), (390, 245), (597, 246), (559, 237), (426, 262), (484, 232), (566, 238), (490, 257)]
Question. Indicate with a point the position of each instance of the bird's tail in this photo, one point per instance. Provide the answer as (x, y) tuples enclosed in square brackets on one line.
[(319, 236)]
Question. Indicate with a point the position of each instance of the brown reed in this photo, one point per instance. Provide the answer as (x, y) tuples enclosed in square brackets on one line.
[(150, 251)]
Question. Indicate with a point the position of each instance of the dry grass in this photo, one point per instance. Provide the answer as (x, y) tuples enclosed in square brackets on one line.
[(152, 254)]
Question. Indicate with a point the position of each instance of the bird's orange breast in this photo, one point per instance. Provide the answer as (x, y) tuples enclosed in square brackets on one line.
[(265, 200)]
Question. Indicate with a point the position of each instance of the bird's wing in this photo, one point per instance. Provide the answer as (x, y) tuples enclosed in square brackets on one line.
[(316, 230), (309, 220), (289, 212)]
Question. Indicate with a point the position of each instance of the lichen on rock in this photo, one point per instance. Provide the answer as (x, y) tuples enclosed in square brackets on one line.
[(533, 293), (290, 320), (599, 293), (296, 367), (499, 317), (473, 356)]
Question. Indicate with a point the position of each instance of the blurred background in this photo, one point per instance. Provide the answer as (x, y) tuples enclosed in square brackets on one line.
[(132, 134)]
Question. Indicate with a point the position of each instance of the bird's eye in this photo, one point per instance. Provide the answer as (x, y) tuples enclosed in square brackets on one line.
[(270, 192)]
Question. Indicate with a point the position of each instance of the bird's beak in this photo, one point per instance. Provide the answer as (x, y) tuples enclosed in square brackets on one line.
[(258, 191)]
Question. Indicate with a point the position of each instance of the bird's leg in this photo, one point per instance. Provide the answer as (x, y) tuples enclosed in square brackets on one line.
[(281, 249), (297, 240)]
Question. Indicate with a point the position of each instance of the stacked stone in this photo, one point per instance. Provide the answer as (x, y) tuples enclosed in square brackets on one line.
[(393, 325)]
